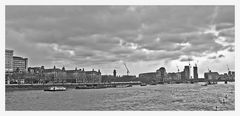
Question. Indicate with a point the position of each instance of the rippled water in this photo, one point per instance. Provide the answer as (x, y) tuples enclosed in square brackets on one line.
[(153, 97)]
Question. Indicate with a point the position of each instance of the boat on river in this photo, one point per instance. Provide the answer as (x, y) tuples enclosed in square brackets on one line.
[(94, 86), (153, 83), (85, 87), (143, 84), (123, 86), (56, 88), (204, 84)]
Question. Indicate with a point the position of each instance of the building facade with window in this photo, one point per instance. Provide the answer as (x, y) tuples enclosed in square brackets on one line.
[(20, 64), (8, 60), (161, 74), (211, 75)]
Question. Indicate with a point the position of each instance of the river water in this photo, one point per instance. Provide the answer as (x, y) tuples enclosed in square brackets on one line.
[(184, 97)]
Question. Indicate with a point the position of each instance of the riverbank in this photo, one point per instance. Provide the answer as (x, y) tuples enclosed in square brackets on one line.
[(25, 87), (22, 87)]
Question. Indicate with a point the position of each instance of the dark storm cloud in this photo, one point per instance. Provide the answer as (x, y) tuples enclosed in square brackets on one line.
[(103, 34), (212, 57), (221, 56), (228, 34), (215, 57), (186, 59)]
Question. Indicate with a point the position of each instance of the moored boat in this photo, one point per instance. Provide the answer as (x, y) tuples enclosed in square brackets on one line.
[(90, 87), (86, 87), (205, 84), (56, 88), (153, 84), (143, 84), (82, 87), (123, 86)]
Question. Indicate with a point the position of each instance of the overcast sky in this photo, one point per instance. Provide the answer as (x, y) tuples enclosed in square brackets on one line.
[(104, 37)]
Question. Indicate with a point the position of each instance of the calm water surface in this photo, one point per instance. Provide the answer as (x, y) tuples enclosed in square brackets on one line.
[(153, 97)]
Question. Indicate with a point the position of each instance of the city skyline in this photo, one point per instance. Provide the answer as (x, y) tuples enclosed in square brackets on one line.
[(144, 37)]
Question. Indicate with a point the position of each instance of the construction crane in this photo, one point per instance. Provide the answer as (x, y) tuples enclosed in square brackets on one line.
[(126, 68), (177, 68), (228, 68), (189, 67), (196, 63), (189, 61), (209, 69)]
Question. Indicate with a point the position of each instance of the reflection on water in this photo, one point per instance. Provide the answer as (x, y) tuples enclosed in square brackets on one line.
[(151, 97)]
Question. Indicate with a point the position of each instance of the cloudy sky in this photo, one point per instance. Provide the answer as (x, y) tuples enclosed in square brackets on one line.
[(104, 37)]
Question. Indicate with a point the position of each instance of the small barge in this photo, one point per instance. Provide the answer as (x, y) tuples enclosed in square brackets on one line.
[(90, 87), (55, 88), (143, 84)]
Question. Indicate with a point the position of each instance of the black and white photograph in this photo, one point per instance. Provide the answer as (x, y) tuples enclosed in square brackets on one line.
[(119, 58)]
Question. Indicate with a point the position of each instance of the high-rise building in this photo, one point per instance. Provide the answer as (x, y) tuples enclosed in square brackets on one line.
[(187, 72), (19, 64), (195, 72), (114, 73), (9, 60)]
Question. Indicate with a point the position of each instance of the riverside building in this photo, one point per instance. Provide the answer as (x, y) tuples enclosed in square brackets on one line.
[(14, 63), (195, 72), (186, 73), (8, 60), (20, 64), (71, 76)]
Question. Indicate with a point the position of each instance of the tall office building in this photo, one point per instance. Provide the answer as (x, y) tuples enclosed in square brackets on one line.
[(20, 64), (114, 73), (187, 72), (195, 72), (8, 60)]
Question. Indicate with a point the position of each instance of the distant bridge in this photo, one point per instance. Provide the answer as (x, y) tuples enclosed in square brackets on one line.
[(197, 80)]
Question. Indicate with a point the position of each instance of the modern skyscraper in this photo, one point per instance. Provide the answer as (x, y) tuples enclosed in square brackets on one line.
[(114, 73), (187, 72), (195, 72)]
